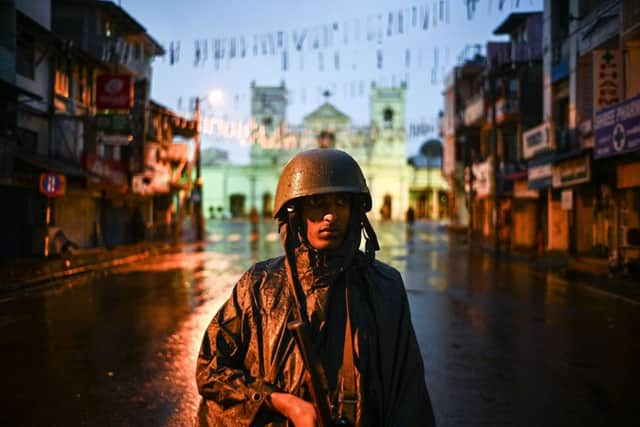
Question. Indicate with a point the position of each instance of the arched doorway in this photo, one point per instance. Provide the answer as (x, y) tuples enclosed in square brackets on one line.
[(236, 205), (267, 205), (385, 210)]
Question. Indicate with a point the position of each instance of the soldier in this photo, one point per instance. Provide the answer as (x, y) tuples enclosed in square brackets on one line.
[(250, 371)]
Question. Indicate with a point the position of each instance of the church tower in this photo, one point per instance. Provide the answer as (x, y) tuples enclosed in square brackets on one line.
[(386, 109), (268, 116), (385, 159)]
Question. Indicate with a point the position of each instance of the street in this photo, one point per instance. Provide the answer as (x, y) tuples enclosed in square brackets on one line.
[(503, 346)]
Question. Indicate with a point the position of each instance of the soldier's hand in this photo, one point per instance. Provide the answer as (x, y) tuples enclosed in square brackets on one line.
[(300, 412)]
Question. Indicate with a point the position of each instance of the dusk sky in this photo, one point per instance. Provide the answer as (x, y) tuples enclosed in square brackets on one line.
[(359, 59)]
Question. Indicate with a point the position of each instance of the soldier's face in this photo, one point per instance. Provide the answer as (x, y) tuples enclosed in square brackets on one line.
[(326, 219)]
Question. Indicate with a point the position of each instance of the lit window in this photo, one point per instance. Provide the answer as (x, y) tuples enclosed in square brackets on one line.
[(61, 83)]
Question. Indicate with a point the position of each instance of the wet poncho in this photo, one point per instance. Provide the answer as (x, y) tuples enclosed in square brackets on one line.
[(248, 352)]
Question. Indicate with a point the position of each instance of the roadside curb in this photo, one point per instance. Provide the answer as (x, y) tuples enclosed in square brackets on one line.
[(120, 256), (562, 267)]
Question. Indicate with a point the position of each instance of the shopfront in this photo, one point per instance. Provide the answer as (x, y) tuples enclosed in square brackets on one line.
[(572, 179), (540, 178), (524, 205), (482, 202), (617, 158)]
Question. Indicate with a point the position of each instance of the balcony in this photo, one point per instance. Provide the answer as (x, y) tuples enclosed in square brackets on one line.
[(526, 52), (511, 54)]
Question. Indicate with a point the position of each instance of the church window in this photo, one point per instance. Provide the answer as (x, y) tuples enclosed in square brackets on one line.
[(387, 116), (267, 122)]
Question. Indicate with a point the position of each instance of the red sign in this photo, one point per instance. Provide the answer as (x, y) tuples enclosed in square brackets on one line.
[(52, 184), (114, 91), (111, 174)]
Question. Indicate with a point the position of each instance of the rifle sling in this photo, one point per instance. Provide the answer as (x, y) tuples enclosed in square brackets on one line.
[(348, 396)]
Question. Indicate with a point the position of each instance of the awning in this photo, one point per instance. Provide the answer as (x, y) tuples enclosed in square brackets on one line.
[(53, 165)]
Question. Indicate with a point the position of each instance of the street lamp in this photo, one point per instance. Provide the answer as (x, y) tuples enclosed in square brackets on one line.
[(215, 97)]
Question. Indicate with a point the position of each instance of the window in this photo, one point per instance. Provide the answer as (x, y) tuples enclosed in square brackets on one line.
[(387, 116), (82, 93), (25, 56), (61, 83)]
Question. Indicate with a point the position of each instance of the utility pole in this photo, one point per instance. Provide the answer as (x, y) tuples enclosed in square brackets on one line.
[(197, 200), (494, 155)]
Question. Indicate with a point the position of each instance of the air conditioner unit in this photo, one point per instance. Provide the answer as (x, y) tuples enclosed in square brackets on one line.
[(630, 237)]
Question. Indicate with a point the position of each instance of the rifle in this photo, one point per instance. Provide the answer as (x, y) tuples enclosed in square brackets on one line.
[(315, 378)]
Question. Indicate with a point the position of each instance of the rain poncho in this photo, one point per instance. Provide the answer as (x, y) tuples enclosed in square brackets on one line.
[(247, 350)]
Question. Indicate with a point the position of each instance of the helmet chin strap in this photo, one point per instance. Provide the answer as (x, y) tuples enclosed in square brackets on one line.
[(371, 240)]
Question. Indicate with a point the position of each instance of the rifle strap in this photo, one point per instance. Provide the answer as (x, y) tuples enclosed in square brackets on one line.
[(348, 396)]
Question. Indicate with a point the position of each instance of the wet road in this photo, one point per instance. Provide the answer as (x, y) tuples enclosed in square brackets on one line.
[(503, 346)]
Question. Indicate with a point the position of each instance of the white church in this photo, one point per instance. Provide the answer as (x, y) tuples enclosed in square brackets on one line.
[(379, 148)]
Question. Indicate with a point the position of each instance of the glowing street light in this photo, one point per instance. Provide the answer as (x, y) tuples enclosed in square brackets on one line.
[(216, 97)]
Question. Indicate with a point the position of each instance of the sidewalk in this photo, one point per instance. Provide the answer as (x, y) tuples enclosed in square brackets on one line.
[(26, 273), (589, 272)]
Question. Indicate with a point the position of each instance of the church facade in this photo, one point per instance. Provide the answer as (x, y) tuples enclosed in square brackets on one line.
[(379, 148)]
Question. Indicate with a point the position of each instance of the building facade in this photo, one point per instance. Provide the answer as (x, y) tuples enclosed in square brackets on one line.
[(554, 166), (77, 127), (379, 148)]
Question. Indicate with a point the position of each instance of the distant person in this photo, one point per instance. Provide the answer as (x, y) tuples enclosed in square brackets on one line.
[(254, 218), (411, 216), (212, 213), (249, 369)]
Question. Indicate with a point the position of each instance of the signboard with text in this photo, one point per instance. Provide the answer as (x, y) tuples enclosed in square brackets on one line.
[(537, 139), (482, 182), (572, 172), (607, 78), (540, 176), (114, 92), (108, 174), (617, 129)]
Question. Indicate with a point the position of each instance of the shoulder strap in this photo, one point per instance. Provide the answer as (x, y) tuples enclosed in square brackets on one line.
[(348, 397)]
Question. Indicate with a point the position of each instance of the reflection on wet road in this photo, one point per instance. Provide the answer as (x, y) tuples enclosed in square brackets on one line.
[(503, 345)]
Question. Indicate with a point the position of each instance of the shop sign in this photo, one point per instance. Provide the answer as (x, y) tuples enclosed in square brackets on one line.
[(109, 139), (52, 184), (617, 129), (114, 92), (607, 78), (114, 123), (572, 172), (566, 200), (482, 174), (112, 174), (628, 175), (540, 176), (537, 139), (521, 191)]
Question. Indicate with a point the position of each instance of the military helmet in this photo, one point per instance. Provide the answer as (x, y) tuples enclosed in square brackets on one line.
[(320, 171)]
